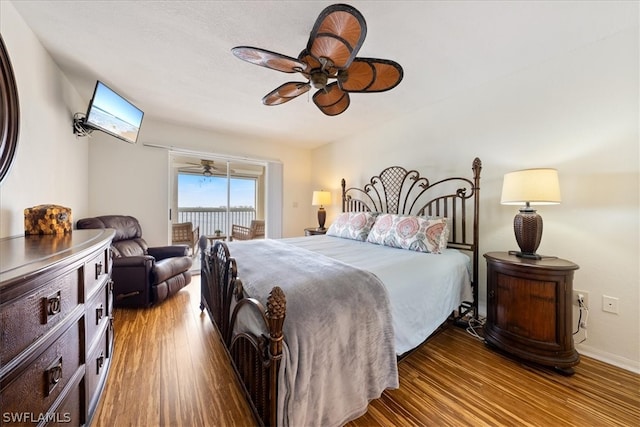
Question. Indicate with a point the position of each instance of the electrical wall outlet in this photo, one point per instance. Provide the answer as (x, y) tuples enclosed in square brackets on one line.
[(609, 304), (585, 298)]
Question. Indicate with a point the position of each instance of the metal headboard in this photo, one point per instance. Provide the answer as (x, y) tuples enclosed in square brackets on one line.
[(398, 191)]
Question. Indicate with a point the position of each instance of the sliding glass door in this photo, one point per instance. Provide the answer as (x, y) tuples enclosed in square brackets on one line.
[(213, 194)]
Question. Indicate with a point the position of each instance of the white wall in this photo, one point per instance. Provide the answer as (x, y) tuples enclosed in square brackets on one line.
[(577, 113), (51, 164), (134, 179), (103, 175)]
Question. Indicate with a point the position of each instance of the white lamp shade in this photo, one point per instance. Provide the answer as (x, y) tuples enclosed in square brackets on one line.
[(536, 186), (321, 198)]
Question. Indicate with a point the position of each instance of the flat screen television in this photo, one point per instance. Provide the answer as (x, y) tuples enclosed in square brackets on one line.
[(109, 112)]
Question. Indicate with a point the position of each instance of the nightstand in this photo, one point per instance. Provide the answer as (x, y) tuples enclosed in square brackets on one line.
[(313, 231), (529, 309)]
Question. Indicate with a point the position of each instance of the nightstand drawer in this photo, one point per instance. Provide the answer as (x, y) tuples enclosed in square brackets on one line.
[(514, 297)]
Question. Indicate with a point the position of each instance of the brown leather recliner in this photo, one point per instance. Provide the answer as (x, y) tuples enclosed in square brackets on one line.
[(141, 275)]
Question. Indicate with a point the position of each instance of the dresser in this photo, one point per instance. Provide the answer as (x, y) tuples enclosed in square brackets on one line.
[(56, 327), (529, 309)]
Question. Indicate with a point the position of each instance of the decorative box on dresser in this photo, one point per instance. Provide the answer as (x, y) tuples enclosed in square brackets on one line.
[(56, 328), (529, 309)]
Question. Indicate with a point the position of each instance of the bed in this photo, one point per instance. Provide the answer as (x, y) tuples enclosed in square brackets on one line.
[(315, 326)]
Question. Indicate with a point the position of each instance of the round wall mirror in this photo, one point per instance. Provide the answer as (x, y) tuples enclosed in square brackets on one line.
[(9, 113)]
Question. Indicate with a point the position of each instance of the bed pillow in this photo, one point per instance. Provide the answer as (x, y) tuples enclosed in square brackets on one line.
[(410, 232), (352, 225)]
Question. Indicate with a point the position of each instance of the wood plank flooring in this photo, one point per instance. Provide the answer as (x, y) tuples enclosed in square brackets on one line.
[(169, 369)]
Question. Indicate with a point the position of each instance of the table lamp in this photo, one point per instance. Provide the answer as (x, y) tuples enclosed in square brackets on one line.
[(321, 198), (531, 187)]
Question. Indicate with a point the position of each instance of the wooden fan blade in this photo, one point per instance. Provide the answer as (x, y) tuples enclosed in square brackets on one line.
[(337, 35), (332, 100), (268, 59), (370, 75), (312, 63), (285, 93)]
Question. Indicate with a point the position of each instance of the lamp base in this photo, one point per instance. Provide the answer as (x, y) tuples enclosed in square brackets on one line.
[(527, 226), (322, 216), (528, 255)]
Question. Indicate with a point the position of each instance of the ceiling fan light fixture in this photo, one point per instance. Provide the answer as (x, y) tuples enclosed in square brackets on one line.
[(342, 76), (334, 42), (318, 79)]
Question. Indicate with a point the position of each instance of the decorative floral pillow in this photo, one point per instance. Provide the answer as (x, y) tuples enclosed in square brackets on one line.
[(352, 225), (410, 232)]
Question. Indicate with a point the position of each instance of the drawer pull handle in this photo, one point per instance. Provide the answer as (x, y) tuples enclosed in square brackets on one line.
[(110, 285), (99, 313), (492, 294), (98, 269), (53, 305), (53, 375), (99, 362)]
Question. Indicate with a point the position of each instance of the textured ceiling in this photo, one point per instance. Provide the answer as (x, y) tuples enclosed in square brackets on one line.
[(172, 58)]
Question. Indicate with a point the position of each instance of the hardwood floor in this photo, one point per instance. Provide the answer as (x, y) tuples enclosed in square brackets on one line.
[(169, 369)]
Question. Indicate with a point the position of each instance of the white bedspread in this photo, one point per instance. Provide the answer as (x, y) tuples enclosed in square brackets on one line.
[(423, 288)]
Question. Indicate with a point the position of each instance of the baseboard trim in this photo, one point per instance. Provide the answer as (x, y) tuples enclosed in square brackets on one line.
[(611, 359)]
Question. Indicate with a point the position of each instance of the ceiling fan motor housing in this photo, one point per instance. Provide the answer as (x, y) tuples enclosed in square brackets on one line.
[(319, 78)]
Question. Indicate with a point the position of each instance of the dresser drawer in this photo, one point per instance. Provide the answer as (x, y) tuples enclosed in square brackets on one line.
[(97, 366), (96, 271), (24, 320), (33, 387), (71, 411), (97, 313)]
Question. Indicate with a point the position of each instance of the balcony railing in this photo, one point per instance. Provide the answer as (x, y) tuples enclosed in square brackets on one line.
[(212, 219)]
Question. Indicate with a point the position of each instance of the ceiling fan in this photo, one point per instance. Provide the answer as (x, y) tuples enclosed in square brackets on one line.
[(205, 167), (330, 54)]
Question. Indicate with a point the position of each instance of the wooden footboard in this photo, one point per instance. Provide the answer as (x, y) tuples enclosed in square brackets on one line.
[(255, 358)]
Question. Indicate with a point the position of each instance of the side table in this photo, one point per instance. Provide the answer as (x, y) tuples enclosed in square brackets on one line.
[(529, 309), (314, 231)]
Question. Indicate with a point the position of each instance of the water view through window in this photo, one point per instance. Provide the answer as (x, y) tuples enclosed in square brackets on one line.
[(203, 201), (197, 191)]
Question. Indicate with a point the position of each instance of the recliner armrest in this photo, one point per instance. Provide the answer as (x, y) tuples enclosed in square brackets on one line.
[(162, 252), (133, 261), (170, 267), (131, 276)]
